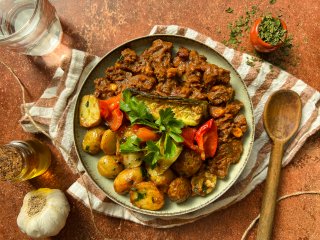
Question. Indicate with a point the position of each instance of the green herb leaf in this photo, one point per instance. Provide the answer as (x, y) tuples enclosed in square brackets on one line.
[(140, 196), (176, 137), (131, 145), (272, 1), (136, 110), (153, 154), (169, 147), (168, 122), (229, 10)]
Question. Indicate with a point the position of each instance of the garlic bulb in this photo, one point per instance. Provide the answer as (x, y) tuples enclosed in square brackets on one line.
[(44, 213)]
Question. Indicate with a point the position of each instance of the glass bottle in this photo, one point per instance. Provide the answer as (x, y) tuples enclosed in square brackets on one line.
[(23, 160)]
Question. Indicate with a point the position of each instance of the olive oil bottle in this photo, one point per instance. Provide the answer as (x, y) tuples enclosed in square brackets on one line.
[(23, 160)]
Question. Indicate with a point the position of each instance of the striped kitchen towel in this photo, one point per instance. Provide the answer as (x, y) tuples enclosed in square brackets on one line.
[(54, 111)]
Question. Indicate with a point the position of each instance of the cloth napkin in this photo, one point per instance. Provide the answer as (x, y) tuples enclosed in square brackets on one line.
[(54, 112)]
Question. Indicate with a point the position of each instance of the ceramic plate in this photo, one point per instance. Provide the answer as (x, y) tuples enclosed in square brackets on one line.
[(193, 203)]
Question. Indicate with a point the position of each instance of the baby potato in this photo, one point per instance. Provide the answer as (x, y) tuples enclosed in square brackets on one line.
[(203, 183), (92, 139), (109, 167), (179, 190), (127, 178), (162, 181), (188, 163), (109, 142), (89, 111), (146, 195), (132, 160)]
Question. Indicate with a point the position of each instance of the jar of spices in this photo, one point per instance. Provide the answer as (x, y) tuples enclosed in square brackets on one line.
[(23, 160)]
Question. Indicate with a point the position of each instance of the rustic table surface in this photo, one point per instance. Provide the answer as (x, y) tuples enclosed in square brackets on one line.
[(97, 26)]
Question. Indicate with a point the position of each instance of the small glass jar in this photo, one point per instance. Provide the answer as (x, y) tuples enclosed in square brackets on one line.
[(23, 160)]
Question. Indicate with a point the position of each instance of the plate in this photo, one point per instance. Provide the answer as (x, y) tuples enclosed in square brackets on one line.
[(194, 203)]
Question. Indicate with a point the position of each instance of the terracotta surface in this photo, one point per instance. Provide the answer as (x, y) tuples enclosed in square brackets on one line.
[(98, 26)]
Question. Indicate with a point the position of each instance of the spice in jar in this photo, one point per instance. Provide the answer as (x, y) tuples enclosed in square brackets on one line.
[(271, 30), (23, 160)]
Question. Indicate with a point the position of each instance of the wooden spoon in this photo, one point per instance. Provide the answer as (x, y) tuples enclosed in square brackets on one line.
[(281, 118)]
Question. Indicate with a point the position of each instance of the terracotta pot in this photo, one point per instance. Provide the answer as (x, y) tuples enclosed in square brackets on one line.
[(261, 45)]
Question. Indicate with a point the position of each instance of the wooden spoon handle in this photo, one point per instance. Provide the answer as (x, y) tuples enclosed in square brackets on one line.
[(270, 193)]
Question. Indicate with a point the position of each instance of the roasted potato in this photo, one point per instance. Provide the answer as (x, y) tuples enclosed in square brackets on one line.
[(92, 139), (127, 178), (109, 166), (109, 142), (89, 111), (203, 183), (188, 163), (132, 160), (162, 181), (179, 190), (146, 195)]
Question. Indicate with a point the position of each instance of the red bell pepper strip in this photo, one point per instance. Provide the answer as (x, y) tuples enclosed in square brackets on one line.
[(115, 119), (188, 135), (111, 113), (207, 139)]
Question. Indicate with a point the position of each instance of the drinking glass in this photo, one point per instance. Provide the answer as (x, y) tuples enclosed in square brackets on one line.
[(31, 27)]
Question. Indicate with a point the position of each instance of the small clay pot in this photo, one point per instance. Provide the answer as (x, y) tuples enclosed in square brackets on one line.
[(261, 45)]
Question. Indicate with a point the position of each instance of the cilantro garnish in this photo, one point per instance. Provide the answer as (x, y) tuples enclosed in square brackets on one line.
[(167, 125)]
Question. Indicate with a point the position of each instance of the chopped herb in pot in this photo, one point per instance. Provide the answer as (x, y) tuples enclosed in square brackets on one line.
[(229, 10), (272, 1), (271, 30)]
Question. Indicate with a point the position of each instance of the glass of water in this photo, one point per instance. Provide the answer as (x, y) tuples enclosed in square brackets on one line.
[(31, 27)]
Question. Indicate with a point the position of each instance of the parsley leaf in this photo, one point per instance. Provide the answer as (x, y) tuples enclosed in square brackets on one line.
[(170, 147), (229, 10), (168, 123), (153, 153), (136, 110), (140, 196), (131, 145)]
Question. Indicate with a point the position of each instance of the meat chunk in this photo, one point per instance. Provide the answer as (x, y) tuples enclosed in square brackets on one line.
[(220, 94), (216, 112), (159, 57), (227, 153), (129, 56), (141, 82), (234, 107), (183, 53), (241, 122), (105, 88)]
